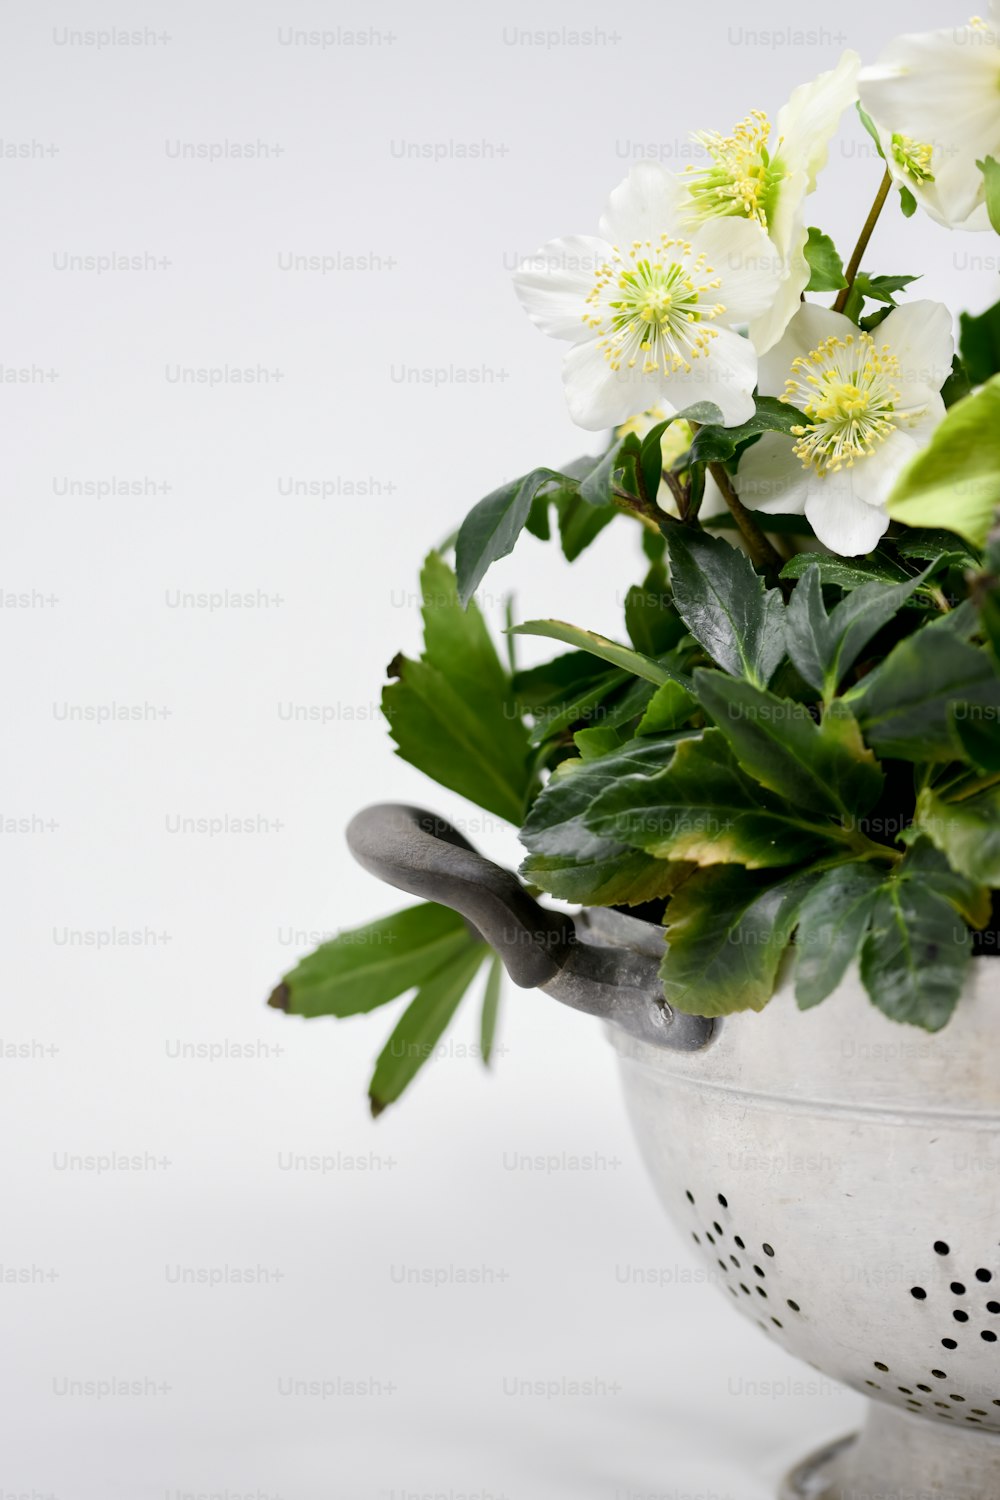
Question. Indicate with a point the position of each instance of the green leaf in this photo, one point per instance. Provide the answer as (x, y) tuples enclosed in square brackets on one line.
[(979, 342), (907, 202), (580, 523), (871, 128), (824, 647), (567, 859), (727, 929), (491, 1009), (978, 737), (821, 768), (955, 481), (967, 832), (876, 289), (846, 572), (599, 485), (725, 604), (453, 714), (904, 706), (599, 645), (825, 264), (915, 956), (718, 444), (958, 384), (701, 809), (421, 1026), (492, 527), (670, 708), (927, 865), (990, 169), (368, 966), (832, 925), (943, 548), (653, 624)]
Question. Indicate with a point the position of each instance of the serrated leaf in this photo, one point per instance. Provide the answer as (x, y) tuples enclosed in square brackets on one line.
[(846, 572), (826, 266), (453, 714), (821, 768), (567, 859), (703, 810), (598, 645), (824, 646), (421, 1027), (725, 604), (904, 706), (832, 925), (943, 548), (727, 930), (914, 959), (368, 966), (653, 624), (492, 527), (955, 481)]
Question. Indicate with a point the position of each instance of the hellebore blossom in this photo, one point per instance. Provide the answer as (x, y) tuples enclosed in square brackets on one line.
[(935, 99), (871, 401), (754, 177), (650, 310)]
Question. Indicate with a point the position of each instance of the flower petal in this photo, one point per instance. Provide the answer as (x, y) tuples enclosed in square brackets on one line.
[(741, 255), (772, 478), (599, 397), (809, 121), (806, 331), (770, 327), (922, 337), (642, 207), (874, 475), (726, 375), (553, 286), (840, 519)]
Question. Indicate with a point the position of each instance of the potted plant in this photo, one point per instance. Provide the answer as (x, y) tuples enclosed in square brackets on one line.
[(774, 804)]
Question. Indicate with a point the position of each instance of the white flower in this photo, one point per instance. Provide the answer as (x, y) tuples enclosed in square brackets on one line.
[(753, 177), (674, 443), (649, 310), (935, 99), (872, 401)]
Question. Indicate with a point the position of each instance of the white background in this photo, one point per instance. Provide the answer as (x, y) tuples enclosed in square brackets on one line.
[(683, 1408)]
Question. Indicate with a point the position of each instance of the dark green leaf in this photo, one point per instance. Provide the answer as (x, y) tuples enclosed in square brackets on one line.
[(871, 128), (670, 708), (958, 384), (599, 485), (915, 956), (846, 572), (421, 1026), (725, 604), (702, 809), (942, 548), (832, 925), (580, 523), (825, 647), (567, 859), (727, 929), (653, 624), (978, 737), (927, 865), (825, 264), (904, 706), (492, 527), (821, 768), (979, 342), (718, 444), (907, 203), (368, 966)]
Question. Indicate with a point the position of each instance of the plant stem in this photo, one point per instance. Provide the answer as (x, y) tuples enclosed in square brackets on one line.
[(762, 554), (854, 265)]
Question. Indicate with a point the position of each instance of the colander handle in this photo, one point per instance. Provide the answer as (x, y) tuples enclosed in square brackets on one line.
[(419, 852)]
